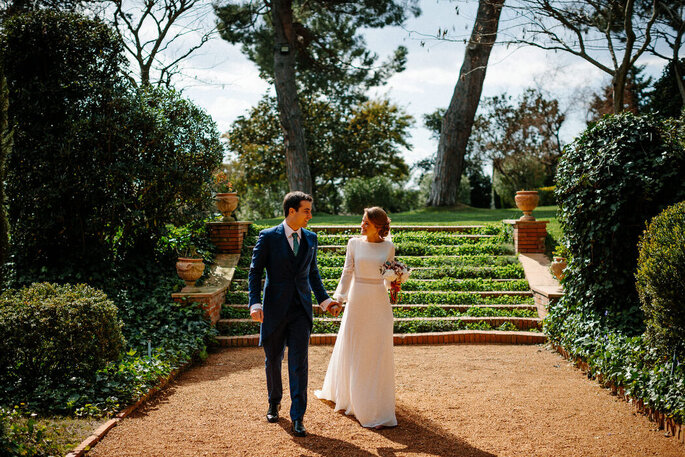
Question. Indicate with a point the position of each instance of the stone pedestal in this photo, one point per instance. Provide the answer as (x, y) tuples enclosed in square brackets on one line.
[(228, 236), (529, 236), (212, 295), (210, 301)]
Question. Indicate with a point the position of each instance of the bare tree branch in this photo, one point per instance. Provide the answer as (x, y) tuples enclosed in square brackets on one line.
[(147, 29)]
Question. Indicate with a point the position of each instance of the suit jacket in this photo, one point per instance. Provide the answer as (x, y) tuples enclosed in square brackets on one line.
[(288, 277)]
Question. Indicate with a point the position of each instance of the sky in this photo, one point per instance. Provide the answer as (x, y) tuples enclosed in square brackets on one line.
[(226, 84)]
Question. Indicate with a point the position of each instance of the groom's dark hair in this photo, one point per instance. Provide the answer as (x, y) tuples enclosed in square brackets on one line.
[(293, 200)]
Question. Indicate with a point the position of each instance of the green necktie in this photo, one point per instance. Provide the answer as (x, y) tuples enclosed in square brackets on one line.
[(296, 244)]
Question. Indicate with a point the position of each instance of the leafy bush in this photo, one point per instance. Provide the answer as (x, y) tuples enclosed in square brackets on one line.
[(616, 358), (463, 192), (52, 332), (98, 167), (380, 191), (660, 273), (546, 195), (520, 173), (618, 174)]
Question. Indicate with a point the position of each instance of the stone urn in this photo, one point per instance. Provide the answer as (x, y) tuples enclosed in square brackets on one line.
[(189, 270), (527, 201), (226, 203), (558, 266)]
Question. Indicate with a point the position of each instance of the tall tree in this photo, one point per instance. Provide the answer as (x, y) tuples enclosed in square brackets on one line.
[(635, 97), (671, 18), (665, 98), (5, 148), (315, 45), (458, 120), (10, 8), (579, 27), (359, 141), (513, 131), (153, 33)]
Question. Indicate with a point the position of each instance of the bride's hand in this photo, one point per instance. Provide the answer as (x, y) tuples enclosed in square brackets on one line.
[(334, 308)]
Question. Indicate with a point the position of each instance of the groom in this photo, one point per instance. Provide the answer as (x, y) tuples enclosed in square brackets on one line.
[(288, 252)]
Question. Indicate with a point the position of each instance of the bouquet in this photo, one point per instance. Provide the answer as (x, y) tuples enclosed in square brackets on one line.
[(397, 273)]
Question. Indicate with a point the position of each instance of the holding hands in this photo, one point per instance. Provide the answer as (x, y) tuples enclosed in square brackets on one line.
[(334, 308)]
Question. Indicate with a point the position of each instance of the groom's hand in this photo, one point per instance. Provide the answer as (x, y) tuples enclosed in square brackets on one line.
[(257, 315), (334, 308)]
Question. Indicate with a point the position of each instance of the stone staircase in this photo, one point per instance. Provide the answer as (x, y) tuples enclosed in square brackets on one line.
[(467, 286)]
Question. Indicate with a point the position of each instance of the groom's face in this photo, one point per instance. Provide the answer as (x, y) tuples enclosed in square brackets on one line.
[(303, 214)]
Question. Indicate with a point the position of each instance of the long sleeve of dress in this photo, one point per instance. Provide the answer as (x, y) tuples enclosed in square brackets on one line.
[(391, 257), (343, 289)]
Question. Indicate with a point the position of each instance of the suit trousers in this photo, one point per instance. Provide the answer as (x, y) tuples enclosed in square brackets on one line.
[(293, 332)]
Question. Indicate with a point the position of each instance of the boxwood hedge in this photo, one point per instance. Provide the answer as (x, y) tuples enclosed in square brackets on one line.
[(54, 332), (661, 280)]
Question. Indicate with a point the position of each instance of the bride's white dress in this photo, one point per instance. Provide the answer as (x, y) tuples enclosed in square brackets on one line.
[(361, 375)]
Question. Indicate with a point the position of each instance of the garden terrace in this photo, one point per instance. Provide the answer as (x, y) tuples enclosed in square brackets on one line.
[(466, 286)]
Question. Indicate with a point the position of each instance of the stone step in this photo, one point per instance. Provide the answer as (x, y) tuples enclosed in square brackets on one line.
[(522, 323), (398, 228), (243, 283), (460, 308), (455, 337), (449, 237), (341, 249), (482, 294)]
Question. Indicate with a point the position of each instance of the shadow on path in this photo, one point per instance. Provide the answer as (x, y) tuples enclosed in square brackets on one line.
[(414, 435)]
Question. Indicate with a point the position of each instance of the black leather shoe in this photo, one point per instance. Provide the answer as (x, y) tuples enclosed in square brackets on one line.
[(298, 428), (272, 413)]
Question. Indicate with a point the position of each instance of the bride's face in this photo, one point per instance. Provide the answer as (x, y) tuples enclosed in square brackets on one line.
[(368, 228)]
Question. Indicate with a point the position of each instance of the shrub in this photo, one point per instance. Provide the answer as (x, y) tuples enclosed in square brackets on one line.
[(380, 191), (660, 274), (98, 167), (53, 332), (618, 174), (546, 195), (518, 173)]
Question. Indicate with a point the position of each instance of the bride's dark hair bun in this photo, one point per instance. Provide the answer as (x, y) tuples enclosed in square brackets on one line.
[(380, 219)]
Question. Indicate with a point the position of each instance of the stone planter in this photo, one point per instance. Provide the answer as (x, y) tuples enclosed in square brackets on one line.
[(527, 201), (226, 203), (189, 270), (558, 267)]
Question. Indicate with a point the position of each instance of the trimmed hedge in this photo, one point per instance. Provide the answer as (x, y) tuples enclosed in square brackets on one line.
[(53, 332), (660, 280), (617, 175)]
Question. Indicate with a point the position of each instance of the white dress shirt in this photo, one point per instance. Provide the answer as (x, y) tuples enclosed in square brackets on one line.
[(289, 236)]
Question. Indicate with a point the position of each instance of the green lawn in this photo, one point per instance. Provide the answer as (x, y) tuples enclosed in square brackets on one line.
[(447, 216), (429, 216)]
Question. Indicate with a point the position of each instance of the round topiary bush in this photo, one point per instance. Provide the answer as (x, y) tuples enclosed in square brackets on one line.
[(617, 175), (53, 332), (661, 280)]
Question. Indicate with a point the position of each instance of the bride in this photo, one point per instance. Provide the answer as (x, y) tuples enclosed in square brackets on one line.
[(360, 378)]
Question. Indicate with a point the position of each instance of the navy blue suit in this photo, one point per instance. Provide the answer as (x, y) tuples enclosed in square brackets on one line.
[(287, 308)]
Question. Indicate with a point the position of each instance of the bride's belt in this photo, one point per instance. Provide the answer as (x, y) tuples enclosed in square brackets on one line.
[(369, 280)]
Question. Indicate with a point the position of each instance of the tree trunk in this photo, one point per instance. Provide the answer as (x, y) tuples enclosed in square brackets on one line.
[(619, 86), (676, 62), (5, 148), (296, 159), (458, 120)]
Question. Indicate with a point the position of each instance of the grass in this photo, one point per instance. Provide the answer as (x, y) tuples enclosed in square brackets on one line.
[(429, 216)]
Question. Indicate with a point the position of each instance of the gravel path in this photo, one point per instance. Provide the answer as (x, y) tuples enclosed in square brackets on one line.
[(452, 400)]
